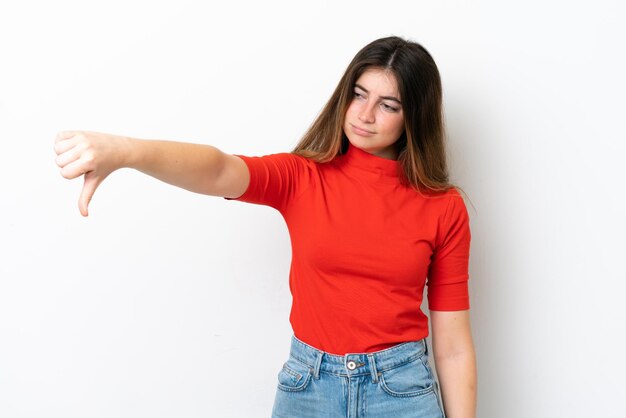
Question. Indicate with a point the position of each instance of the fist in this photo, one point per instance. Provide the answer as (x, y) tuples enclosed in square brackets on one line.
[(90, 154)]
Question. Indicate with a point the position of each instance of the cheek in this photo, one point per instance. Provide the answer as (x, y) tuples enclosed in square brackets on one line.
[(395, 125), (352, 109), (401, 125)]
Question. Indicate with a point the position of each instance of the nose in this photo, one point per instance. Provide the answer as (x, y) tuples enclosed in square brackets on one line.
[(366, 113)]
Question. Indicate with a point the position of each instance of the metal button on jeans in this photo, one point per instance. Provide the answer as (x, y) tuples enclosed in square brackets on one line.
[(351, 365)]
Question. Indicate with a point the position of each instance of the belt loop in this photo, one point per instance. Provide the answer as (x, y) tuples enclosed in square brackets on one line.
[(318, 362), (373, 368)]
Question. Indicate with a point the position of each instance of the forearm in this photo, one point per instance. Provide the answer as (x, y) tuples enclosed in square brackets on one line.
[(457, 378), (194, 167)]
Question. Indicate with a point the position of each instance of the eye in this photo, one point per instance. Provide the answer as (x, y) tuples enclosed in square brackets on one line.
[(389, 108), (358, 95)]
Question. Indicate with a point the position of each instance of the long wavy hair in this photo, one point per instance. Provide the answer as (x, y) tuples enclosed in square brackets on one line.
[(422, 146)]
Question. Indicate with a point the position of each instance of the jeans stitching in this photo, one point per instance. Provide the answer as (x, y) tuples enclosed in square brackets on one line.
[(420, 392), (296, 388)]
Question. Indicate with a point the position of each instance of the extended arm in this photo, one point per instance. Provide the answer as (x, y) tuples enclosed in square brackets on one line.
[(455, 361), (195, 167)]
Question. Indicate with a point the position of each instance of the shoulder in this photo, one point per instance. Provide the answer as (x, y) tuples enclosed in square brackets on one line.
[(279, 157), (444, 200), (448, 208), (451, 197), (281, 164), (455, 207)]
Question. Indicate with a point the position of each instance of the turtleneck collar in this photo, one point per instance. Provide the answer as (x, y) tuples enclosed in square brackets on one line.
[(363, 160)]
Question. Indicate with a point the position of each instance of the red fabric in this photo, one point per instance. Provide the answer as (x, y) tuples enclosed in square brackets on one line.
[(363, 247)]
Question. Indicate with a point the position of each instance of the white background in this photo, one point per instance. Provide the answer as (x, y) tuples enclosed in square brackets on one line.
[(165, 303)]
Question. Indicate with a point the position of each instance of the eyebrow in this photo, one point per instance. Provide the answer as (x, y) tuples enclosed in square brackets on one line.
[(382, 97)]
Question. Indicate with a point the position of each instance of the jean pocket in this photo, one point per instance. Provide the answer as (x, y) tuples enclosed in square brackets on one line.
[(409, 379), (294, 376)]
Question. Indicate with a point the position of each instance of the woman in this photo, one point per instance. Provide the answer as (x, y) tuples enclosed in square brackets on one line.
[(372, 219)]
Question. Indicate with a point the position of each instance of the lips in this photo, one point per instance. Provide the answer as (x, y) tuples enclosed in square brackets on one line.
[(361, 131)]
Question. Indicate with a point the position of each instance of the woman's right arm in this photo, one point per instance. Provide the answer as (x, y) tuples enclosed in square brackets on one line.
[(199, 168)]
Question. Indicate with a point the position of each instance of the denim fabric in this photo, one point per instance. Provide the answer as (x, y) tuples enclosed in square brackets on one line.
[(396, 382)]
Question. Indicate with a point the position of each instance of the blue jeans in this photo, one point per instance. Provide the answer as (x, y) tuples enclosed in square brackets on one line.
[(396, 382)]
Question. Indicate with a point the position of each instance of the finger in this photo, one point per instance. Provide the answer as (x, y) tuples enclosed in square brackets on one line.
[(65, 144), (66, 135), (75, 169), (68, 157), (89, 188)]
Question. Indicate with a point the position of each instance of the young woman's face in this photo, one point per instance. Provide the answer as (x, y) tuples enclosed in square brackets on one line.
[(374, 120)]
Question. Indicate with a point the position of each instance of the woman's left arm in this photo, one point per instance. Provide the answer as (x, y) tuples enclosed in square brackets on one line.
[(455, 361)]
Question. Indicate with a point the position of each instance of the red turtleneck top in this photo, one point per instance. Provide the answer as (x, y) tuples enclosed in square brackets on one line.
[(363, 247)]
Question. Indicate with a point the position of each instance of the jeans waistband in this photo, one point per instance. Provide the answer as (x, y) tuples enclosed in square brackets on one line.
[(357, 364)]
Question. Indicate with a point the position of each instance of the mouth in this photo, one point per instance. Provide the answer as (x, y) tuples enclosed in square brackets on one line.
[(361, 131)]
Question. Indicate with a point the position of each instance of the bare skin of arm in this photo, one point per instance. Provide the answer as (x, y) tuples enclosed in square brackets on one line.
[(199, 168), (455, 361)]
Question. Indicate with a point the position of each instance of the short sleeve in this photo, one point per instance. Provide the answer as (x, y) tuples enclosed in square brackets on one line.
[(275, 179), (448, 273)]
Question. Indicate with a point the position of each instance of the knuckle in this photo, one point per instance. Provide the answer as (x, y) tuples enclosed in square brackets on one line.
[(89, 157)]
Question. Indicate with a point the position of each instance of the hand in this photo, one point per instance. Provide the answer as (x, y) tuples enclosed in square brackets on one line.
[(96, 155)]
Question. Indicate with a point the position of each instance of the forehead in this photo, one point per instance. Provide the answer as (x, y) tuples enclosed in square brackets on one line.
[(380, 82)]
